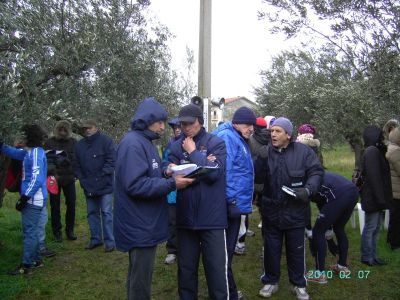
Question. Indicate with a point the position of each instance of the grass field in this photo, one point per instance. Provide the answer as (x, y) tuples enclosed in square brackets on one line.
[(75, 273)]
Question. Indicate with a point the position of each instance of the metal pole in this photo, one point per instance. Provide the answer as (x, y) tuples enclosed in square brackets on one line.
[(204, 72)]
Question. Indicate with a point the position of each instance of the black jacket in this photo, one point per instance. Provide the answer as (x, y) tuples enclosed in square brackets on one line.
[(376, 191), (295, 166), (60, 156)]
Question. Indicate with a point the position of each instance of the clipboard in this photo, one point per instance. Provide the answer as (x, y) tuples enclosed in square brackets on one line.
[(201, 171)]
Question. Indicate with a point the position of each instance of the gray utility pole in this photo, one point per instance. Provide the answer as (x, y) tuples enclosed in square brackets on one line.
[(204, 77)]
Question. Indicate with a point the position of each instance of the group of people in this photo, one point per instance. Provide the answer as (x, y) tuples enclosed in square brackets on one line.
[(50, 167), (249, 159)]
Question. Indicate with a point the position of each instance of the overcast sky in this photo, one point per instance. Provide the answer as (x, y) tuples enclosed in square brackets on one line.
[(241, 45)]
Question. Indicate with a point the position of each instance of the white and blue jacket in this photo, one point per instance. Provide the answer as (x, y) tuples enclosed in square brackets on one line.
[(34, 172)]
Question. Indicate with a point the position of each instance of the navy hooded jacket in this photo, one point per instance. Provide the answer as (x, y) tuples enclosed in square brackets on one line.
[(140, 208), (202, 205), (94, 164)]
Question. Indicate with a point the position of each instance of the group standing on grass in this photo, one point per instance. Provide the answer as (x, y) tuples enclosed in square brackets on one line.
[(253, 160)]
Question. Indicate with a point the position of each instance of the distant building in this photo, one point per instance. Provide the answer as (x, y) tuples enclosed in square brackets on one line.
[(231, 104)]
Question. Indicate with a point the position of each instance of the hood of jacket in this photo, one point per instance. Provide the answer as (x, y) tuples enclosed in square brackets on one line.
[(373, 136), (262, 135), (62, 124), (309, 140), (148, 112), (394, 136)]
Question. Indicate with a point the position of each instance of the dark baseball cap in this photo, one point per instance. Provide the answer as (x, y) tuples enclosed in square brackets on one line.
[(189, 113)]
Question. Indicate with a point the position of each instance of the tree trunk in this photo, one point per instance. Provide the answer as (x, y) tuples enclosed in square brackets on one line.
[(356, 145)]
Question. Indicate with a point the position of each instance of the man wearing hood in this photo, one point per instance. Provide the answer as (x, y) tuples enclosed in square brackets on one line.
[(94, 167), (141, 212), (201, 212), (239, 179), (60, 155), (376, 191)]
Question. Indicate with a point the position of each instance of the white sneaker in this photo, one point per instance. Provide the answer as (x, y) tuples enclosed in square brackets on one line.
[(340, 269), (317, 276), (250, 233), (240, 248), (268, 290), (260, 225), (301, 293), (170, 259)]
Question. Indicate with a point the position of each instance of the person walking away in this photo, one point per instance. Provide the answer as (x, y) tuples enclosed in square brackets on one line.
[(376, 192)]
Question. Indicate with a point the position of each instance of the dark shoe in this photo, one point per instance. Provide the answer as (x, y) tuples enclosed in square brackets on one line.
[(109, 249), (47, 253), (92, 246), (368, 263), (38, 264), (71, 236), (379, 262), (21, 270), (58, 237)]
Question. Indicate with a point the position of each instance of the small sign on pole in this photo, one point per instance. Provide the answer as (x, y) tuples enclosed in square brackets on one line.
[(206, 107)]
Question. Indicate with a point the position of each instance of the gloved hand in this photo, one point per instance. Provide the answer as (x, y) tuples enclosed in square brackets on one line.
[(21, 203), (233, 211), (302, 194)]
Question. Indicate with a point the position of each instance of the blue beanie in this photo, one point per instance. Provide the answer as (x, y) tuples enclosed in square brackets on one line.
[(244, 115), (285, 124)]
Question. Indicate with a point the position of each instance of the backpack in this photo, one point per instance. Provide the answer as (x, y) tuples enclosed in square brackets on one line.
[(14, 176)]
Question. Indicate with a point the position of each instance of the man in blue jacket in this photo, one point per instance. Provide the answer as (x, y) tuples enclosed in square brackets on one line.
[(239, 179), (285, 214), (94, 167), (201, 208), (141, 212)]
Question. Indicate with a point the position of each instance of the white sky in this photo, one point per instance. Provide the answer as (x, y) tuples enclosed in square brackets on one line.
[(241, 45)]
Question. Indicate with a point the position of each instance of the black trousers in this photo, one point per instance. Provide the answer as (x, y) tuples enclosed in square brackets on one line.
[(55, 204), (172, 242), (211, 244), (394, 224), (232, 233), (295, 255), (336, 214), (140, 273)]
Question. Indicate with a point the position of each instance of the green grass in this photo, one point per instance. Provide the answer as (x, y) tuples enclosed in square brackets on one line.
[(75, 273)]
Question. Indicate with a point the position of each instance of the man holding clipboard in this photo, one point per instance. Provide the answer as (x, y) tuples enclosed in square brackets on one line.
[(200, 208)]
